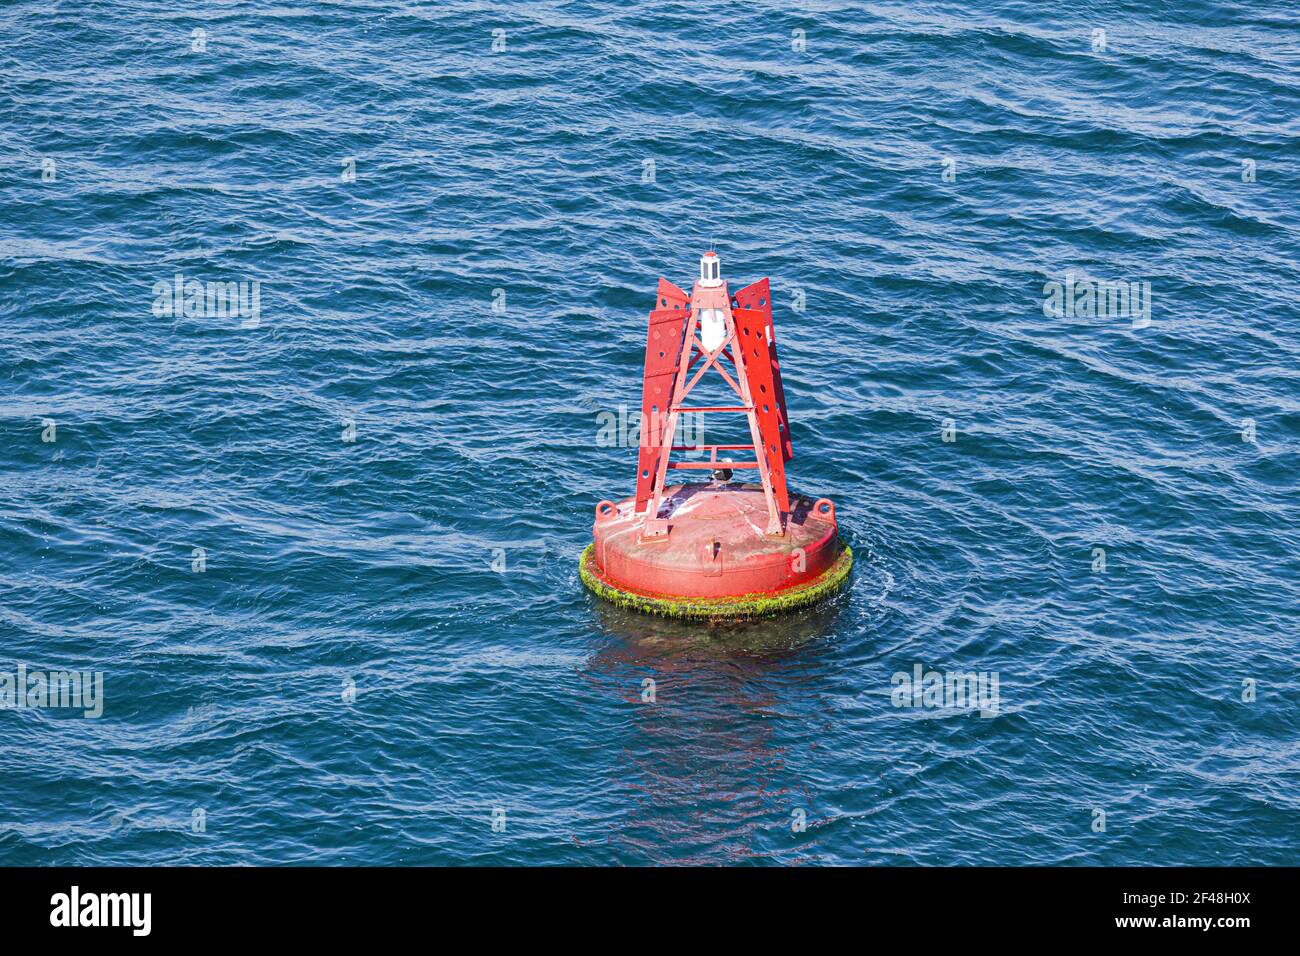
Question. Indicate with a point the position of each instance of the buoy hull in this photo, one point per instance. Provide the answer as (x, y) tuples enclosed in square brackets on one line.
[(716, 558)]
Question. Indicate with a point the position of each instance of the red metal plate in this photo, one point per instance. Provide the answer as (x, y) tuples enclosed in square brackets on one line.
[(663, 349), (752, 327), (758, 297)]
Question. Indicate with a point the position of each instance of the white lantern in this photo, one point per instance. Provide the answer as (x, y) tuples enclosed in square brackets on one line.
[(710, 270)]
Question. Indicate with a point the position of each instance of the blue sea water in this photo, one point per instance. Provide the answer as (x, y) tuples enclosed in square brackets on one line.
[(383, 642)]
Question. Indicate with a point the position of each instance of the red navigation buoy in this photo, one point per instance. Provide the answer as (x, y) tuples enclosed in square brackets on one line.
[(723, 548)]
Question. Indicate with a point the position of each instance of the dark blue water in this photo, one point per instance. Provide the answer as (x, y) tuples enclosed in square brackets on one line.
[(384, 640)]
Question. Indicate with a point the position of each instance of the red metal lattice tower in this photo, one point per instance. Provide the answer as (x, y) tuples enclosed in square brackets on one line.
[(719, 330)]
